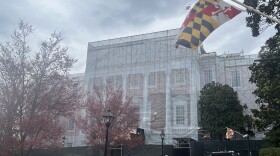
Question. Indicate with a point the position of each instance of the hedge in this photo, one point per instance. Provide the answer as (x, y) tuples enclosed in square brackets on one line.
[(270, 152)]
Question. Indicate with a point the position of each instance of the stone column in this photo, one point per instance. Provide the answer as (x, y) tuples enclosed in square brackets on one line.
[(124, 80), (145, 102), (168, 111), (195, 88)]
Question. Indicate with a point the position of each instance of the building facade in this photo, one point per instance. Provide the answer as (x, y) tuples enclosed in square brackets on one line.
[(165, 81), (73, 136)]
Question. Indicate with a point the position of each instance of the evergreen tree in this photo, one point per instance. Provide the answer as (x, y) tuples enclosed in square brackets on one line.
[(266, 76), (220, 108), (259, 23)]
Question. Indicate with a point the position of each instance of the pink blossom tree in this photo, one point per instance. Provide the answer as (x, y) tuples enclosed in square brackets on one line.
[(35, 91), (126, 119)]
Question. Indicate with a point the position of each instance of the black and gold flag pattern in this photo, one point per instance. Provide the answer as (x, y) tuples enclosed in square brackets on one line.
[(204, 18)]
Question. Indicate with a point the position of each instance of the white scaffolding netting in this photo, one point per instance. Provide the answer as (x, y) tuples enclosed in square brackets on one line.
[(165, 82)]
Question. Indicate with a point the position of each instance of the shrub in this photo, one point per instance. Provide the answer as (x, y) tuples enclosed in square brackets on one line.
[(270, 152)]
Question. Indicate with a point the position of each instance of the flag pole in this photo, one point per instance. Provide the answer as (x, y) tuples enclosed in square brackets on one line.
[(257, 11)]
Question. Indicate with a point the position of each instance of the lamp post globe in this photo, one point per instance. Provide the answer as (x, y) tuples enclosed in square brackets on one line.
[(63, 141), (107, 118)]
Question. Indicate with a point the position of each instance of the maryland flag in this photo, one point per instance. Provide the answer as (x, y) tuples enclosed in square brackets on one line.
[(204, 17), (229, 133)]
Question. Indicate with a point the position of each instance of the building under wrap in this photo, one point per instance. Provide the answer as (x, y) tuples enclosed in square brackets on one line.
[(165, 82)]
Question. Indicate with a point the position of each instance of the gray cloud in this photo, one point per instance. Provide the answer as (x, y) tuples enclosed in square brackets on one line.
[(91, 20)]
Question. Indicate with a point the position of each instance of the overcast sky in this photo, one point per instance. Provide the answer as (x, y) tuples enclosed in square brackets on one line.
[(83, 21)]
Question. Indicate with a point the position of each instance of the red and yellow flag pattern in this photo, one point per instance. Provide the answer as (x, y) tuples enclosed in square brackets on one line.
[(229, 133), (203, 19)]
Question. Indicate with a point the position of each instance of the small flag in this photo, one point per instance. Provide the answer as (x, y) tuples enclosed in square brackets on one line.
[(229, 133), (204, 18)]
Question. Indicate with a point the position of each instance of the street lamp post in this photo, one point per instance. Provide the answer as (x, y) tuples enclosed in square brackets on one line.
[(63, 145), (248, 128), (107, 117), (162, 135)]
